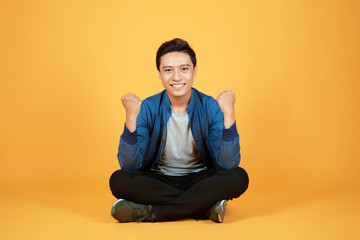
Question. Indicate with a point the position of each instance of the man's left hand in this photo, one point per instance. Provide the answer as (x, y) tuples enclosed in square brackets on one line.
[(226, 101)]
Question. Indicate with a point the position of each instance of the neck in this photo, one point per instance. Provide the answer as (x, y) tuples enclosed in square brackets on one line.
[(180, 103)]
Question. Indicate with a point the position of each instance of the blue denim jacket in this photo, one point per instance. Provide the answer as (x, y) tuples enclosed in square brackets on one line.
[(219, 147)]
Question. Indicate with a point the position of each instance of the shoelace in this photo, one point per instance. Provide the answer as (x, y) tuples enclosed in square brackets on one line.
[(147, 213), (146, 218)]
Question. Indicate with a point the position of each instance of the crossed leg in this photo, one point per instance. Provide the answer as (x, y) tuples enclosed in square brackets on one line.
[(176, 197)]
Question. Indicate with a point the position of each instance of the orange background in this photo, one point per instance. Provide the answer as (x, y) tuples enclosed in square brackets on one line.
[(294, 66)]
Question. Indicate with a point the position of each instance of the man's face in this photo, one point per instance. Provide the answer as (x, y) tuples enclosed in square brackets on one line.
[(177, 74)]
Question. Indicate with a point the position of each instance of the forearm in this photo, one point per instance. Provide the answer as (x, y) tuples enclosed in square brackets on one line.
[(133, 145), (230, 148), (128, 150), (230, 154), (128, 156)]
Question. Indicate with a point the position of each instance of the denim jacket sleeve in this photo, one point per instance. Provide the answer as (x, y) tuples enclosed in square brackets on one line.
[(224, 143), (132, 146)]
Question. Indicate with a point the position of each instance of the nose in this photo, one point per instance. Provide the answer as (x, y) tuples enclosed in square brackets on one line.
[(177, 75)]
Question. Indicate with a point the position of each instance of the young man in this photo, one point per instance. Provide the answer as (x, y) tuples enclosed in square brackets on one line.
[(179, 152)]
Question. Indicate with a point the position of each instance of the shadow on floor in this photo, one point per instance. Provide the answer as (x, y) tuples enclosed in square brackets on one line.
[(96, 205), (258, 204)]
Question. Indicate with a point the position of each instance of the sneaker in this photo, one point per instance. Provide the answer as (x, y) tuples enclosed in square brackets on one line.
[(127, 211), (217, 211)]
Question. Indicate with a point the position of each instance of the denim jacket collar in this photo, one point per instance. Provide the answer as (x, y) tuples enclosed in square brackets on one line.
[(190, 106)]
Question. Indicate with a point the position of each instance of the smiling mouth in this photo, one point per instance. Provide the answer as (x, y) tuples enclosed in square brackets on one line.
[(177, 85)]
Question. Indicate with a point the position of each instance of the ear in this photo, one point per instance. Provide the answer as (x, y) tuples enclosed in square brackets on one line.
[(159, 74), (195, 71)]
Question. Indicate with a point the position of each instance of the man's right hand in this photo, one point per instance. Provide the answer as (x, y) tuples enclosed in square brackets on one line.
[(132, 105)]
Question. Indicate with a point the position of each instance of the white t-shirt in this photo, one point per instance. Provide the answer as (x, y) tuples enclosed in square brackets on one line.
[(180, 155)]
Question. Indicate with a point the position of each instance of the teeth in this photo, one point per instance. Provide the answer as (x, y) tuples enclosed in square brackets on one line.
[(178, 85)]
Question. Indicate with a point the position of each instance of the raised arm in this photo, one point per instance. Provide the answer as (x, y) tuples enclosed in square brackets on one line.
[(224, 138), (134, 140)]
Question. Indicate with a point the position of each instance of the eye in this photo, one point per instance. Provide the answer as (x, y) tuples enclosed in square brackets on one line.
[(184, 69), (167, 70)]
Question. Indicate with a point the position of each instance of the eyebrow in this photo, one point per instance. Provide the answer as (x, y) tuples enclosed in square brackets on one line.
[(179, 65)]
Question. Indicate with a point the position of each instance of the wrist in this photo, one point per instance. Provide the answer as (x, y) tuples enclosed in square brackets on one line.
[(131, 122), (229, 119)]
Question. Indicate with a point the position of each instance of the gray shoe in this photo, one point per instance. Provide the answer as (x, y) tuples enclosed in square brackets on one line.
[(217, 211), (127, 211)]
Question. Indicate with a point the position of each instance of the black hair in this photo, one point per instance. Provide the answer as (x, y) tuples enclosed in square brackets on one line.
[(175, 45)]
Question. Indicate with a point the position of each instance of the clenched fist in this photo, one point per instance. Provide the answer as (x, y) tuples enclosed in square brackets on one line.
[(226, 101), (132, 105)]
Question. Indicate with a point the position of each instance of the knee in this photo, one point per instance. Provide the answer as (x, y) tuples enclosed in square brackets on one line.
[(241, 178), (116, 180)]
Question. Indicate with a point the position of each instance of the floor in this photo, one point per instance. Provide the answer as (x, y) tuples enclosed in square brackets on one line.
[(72, 214)]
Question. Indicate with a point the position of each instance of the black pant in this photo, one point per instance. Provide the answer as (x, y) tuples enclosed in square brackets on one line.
[(174, 197)]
